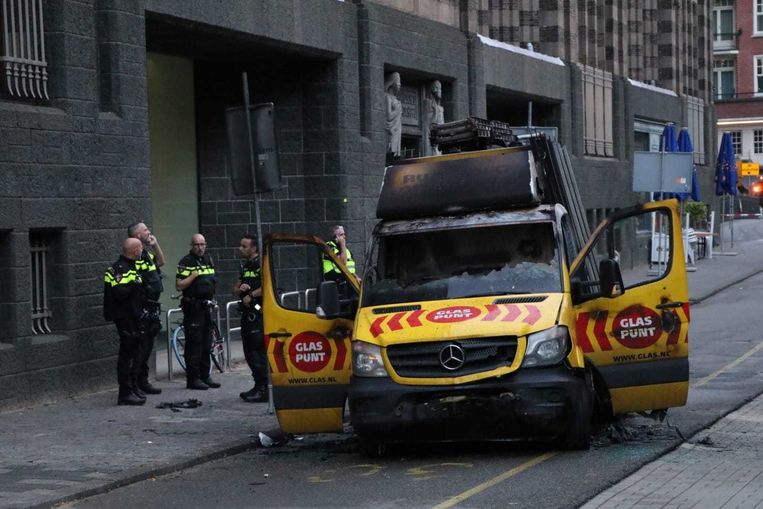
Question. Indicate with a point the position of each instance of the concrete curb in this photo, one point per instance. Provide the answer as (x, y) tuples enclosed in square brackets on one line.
[(718, 290), (227, 450)]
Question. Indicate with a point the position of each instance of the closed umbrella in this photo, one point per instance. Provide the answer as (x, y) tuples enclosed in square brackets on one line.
[(726, 179), (685, 145), (668, 143)]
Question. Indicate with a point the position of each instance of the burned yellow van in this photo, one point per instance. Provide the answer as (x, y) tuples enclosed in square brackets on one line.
[(481, 314)]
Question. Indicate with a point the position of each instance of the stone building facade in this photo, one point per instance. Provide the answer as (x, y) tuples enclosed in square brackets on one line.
[(132, 128)]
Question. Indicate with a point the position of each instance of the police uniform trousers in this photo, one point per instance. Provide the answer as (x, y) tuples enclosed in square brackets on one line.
[(253, 342), (197, 324), (128, 356), (150, 328)]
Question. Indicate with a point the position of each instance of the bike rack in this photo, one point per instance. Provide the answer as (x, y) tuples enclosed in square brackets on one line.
[(171, 353), (228, 328)]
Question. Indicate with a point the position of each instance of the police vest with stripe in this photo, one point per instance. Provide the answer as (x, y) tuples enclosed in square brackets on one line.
[(329, 266)]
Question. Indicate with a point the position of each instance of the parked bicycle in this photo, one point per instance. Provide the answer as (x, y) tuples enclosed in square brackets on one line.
[(217, 355)]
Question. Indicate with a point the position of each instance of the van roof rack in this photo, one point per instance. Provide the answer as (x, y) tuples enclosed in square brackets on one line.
[(471, 133)]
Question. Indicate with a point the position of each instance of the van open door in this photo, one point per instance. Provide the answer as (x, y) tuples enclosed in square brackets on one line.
[(309, 355), (631, 305)]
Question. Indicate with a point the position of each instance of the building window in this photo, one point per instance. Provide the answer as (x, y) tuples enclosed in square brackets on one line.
[(597, 99), (724, 78), (758, 64), (758, 16), (22, 45), (39, 247), (723, 21), (695, 109), (757, 141), (736, 140)]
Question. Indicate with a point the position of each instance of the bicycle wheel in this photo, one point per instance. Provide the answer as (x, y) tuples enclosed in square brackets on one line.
[(178, 345), (218, 350)]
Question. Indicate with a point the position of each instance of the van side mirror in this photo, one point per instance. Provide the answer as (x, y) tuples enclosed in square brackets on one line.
[(610, 278), (328, 300)]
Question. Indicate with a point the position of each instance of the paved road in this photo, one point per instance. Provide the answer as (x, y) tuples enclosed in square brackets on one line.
[(325, 470)]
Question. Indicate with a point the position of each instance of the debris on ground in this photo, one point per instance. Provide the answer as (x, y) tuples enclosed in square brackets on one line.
[(273, 438), (176, 406)]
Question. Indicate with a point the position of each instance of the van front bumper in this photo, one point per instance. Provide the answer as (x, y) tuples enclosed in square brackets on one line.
[(528, 404)]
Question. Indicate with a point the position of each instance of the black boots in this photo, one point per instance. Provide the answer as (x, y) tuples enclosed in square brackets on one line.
[(130, 398), (147, 388), (196, 385), (255, 395), (211, 383)]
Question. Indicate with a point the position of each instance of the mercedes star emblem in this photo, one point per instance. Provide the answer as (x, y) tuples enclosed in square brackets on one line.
[(452, 357)]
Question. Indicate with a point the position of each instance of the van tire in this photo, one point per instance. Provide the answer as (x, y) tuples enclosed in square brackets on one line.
[(578, 434)]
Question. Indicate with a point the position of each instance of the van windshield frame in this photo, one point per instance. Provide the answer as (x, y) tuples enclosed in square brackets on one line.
[(463, 262)]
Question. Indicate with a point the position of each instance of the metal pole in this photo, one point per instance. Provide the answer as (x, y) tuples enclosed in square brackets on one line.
[(245, 84)]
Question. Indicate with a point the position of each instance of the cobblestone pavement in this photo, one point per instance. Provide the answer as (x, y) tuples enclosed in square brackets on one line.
[(721, 467)]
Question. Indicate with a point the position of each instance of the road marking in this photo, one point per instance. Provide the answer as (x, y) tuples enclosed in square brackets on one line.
[(495, 480), (727, 367)]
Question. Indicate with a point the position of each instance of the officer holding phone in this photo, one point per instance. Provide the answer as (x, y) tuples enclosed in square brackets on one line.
[(338, 244)]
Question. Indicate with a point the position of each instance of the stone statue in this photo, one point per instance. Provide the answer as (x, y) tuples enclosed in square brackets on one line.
[(434, 113), (394, 114)]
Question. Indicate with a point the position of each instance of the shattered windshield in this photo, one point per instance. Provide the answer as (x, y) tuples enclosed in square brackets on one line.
[(464, 262)]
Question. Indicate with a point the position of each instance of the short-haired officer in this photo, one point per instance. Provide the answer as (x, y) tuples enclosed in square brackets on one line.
[(123, 304), (151, 259), (338, 244), (248, 290), (196, 278)]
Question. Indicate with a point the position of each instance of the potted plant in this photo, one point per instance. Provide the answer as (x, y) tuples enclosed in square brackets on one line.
[(697, 211)]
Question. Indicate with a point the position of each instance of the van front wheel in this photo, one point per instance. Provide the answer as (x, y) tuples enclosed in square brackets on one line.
[(578, 434)]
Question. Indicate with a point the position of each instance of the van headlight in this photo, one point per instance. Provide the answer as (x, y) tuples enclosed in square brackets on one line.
[(367, 360), (546, 347)]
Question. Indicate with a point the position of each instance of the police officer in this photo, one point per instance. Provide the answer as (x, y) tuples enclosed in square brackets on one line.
[(148, 266), (123, 304), (196, 279), (338, 244), (248, 290)]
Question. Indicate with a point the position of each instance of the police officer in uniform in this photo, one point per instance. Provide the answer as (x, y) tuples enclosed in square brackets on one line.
[(196, 279), (248, 290), (151, 259), (338, 244), (123, 304)]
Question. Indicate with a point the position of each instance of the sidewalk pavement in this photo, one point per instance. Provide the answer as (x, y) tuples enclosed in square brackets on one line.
[(86, 445)]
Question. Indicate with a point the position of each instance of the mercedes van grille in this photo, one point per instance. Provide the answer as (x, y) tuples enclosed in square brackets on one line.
[(431, 359)]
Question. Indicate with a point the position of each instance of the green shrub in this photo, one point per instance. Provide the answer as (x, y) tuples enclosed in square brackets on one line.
[(697, 212)]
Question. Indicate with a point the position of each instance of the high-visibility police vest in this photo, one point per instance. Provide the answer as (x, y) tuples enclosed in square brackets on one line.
[(122, 291), (203, 287), (150, 273), (329, 266)]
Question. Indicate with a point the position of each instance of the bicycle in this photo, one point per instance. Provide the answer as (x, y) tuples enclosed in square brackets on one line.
[(217, 355)]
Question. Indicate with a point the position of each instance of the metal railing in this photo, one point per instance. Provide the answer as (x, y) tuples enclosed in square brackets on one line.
[(38, 248), (228, 328), (170, 332), (303, 305), (23, 56)]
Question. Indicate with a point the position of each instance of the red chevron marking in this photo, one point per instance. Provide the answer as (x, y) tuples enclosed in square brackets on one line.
[(533, 315), (599, 333), (513, 312), (341, 354), (376, 326), (279, 358), (394, 322), (581, 331), (493, 312), (413, 320)]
